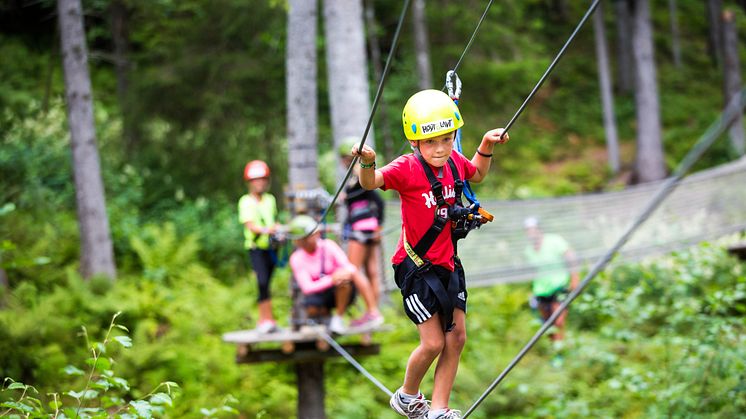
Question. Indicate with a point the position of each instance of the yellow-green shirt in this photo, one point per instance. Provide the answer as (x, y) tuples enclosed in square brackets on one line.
[(262, 212), (552, 274)]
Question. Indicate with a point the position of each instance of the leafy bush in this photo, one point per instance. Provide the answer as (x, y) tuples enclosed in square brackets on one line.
[(103, 393)]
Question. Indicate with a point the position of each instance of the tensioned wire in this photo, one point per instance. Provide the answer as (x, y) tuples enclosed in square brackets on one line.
[(463, 54), (337, 347), (705, 141), (374, 108), (547, 72)]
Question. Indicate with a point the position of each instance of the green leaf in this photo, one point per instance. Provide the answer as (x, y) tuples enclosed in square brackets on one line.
[(103, 364), (120, 383), (125, 341), (142, 408), (54, 404), (122, 327), (102, 384), (72, 370), (18, 406), (7, 208), (161, 398), (15, 386)]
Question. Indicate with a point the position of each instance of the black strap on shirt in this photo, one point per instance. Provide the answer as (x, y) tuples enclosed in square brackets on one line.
[(439, 222)]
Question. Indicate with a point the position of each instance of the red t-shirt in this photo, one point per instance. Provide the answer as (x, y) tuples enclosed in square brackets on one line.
[(407, 176)]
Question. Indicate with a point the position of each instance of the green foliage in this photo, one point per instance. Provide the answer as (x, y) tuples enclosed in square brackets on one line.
[(103, 393), (206, 94)]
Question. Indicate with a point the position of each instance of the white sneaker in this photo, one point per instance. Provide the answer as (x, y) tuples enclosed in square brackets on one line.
[(417, 408), (337, 325), (266, 327), (447, 414)]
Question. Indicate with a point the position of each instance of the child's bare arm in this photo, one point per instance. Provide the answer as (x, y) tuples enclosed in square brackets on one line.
[(369, 177), (483, 157)]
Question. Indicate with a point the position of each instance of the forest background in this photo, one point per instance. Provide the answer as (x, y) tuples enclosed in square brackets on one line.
[(204, 93)]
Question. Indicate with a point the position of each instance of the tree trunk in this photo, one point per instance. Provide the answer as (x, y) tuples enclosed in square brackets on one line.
[(97, 256), (375, 56), (732, 78), (119, 22), (714, 38), (675, 41), (650, 165), (624, 46), (347, 69), (607, 96), (302, 104), (421, 45), (311, 390)]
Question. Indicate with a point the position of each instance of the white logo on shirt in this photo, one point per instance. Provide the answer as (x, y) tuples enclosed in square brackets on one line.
[(448, 192), (461, 296)]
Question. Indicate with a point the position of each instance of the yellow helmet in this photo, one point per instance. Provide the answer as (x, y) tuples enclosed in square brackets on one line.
[(430, 113)]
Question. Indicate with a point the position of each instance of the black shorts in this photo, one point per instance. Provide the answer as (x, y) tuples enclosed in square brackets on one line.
[(544, 303), (366, 237), (420, 300), (324, 298), (557, 296)]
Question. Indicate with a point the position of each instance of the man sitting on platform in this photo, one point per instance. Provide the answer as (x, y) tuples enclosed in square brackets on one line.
[(326, 277)]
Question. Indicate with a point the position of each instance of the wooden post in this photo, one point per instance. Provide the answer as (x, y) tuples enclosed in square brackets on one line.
[(311, 391), (732, 78)]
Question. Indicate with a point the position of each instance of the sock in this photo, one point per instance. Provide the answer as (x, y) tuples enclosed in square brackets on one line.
[(435, 413), (406, 398)]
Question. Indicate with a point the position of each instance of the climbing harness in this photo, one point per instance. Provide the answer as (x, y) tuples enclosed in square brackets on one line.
[(463, 220)]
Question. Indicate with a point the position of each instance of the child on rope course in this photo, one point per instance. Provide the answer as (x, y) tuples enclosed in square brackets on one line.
[(257, 211), (426, 267), (362, 226), (326, 277)]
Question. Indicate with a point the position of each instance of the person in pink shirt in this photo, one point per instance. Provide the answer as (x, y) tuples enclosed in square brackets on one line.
[(426, 266), (326, 277)]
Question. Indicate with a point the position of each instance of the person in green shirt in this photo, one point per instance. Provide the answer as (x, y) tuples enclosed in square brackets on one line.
[(257, 211), (554, 262)]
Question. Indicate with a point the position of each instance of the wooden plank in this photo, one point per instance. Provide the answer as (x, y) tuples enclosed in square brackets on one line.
[(738, 250), (304, 352), (305, 334)]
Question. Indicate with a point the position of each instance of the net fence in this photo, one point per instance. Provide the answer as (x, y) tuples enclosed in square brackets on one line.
[(706, 205)]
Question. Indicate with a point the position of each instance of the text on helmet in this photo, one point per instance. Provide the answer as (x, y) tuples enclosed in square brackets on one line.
[(437, 126)]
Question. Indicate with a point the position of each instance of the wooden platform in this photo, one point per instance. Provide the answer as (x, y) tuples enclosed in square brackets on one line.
[(304, 345), (739, 250)]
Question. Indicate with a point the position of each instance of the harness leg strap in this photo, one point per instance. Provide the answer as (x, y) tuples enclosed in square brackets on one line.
[(445, 297)]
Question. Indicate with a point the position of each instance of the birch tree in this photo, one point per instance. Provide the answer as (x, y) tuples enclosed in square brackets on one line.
[(302, 104), (607, 96), (421, 45), (649, 162), (347, 71), (675, 37), (732, 78), (376, 64), (303, 173), (714, 38), (625, 70), (119, 23), (96, 253)]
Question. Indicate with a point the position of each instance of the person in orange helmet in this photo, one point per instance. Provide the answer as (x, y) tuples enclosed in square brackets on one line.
[(257, 211)]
